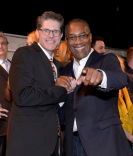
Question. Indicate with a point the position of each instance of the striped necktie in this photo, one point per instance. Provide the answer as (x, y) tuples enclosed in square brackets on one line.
[(55, 78), (54, 71)]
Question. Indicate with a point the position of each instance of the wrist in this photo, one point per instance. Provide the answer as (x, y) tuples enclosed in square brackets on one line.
[(8, 88)]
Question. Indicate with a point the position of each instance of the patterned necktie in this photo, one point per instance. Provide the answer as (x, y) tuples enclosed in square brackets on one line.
[(54, 71), (55, 78), (6, 65)]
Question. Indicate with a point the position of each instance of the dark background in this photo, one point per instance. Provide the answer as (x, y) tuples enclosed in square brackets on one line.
[(112, 19)]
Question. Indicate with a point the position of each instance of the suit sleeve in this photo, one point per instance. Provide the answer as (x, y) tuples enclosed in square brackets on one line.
[(21, 79), (116, 78)]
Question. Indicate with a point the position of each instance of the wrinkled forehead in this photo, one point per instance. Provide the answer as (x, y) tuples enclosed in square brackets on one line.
[(77, 28)]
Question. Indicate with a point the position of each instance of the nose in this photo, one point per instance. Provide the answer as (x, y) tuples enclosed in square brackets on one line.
[(104, 50), (51, 34), (78, 40)]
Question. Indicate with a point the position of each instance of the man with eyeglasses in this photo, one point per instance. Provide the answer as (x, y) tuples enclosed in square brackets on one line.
[(92, 122), (5, 106), (37, 89)]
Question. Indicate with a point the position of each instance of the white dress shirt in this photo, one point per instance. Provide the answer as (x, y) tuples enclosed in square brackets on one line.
[(49, 57), (77, 68)]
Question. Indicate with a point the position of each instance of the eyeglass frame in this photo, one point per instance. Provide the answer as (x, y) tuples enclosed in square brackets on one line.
[(78, 37), (4, 43), (50, 32)]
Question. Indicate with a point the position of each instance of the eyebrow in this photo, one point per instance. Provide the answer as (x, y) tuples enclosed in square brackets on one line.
[(79, 33)]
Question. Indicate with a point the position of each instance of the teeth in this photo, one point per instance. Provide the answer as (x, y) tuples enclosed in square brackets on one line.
[(80, 48), (50, 41)]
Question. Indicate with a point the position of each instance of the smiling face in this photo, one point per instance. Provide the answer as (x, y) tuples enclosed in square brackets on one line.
[(49, 42), (99, 47), (79, 48), (3, 48)]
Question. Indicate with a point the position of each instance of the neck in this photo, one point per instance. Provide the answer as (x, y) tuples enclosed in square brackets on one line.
[(3, 57), (49, 52)]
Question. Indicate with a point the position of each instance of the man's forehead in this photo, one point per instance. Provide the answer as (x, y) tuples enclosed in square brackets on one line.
[(77, 27), (99, 42), (2, 39), (49, 23)]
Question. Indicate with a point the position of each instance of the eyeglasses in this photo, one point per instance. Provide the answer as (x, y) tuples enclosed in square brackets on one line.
[(3, 43), (46, 32), (81, 37)]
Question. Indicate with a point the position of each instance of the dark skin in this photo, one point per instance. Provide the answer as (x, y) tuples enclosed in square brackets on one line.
[(8, 93), (90, 76), (80, 50), (64, 81), (3, 111)]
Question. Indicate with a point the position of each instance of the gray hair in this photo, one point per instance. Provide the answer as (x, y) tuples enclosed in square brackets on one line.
[(3, 36)]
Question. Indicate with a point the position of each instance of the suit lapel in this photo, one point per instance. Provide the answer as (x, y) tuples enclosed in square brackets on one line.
[(3, 72), (69, 71), (90, 62), (44, 61), (93, 59)]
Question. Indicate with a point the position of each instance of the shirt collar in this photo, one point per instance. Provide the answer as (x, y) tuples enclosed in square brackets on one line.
[(84, 60), (46, 53), (1, 61)]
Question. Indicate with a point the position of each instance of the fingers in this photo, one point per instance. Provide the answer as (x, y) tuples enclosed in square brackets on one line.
[(2, 114), (82, 77), (3, 110), (67, 82), (90, 76), (64, 81), (73, 83)]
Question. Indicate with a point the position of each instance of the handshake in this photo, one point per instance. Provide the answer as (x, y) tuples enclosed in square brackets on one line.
[(89, 76)]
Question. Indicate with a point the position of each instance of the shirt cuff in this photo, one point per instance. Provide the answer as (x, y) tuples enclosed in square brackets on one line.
[(61, 104), (104, 81)]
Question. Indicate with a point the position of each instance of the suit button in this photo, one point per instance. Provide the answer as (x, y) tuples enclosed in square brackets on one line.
[(111, 88), (75, 109)]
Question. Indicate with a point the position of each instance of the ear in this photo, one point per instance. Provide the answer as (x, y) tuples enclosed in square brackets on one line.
[(66, 39), (90, 37), (61, 35)]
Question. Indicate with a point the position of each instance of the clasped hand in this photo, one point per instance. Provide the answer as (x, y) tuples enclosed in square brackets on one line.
[(3, 111), (89, 76), (67, 82)]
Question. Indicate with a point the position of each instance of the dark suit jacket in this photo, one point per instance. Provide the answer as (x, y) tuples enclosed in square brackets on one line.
[(129, 86), (33, 122), (5, 104), (96, 111)]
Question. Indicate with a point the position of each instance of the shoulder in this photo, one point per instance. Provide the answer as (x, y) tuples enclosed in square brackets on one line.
[(67, 68), (25, 55), (58, 63), (26, 51), (109, 55), (110, 58)]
